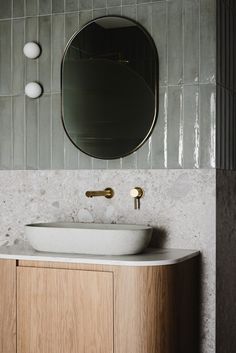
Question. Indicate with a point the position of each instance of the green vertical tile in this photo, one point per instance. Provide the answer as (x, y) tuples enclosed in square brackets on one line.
[(99, 13), (45, 132), (207, 41), (19, 132), (57, 50), (159, 132), (159, 34), (18, 8), (71, 25), (6, 9), (45, 64), (70, 151), (116, 10), (207, 125), (191, 127), (31, 112), (58, 6), (191, 41), (142, 1), (99, 163), (85, 162), (31, 7), (31, 35), (111, 3), (130, 12), (45, 7), (85, 5), (130, 162), (71, 5), (99, 4), (57, 134), (144, 16), (5, 58), (18, 59), (5, 133), (129, 2), (115, 164), (175, 42), (71, 154), (84, 17), (144, 155), (175, 128)]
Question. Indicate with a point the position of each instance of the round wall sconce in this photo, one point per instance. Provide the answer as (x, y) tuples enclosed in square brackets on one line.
[(32, 50), (33, 90)]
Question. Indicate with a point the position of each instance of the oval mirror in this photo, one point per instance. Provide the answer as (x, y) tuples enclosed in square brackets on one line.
[(109, 87)]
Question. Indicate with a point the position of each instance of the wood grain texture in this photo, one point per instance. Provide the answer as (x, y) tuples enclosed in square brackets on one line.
[(64, 311), (67, 265), (7, 306), (143, 308), (156, 309)]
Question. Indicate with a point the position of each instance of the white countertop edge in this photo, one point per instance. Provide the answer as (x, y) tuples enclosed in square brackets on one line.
[(101, 261)]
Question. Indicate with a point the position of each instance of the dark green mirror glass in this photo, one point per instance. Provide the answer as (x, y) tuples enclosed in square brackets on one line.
[(110, 87)]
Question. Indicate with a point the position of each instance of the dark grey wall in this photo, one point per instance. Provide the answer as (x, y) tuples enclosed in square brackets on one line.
[(226, 261), (226, 178), (31, 134), (226, 84)]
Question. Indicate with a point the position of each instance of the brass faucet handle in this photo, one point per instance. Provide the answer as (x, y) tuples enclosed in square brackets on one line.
[(108, 193), (137, 193)]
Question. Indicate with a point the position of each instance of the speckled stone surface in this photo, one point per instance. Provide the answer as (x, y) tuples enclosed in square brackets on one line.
[(226, 261), (179, 204)]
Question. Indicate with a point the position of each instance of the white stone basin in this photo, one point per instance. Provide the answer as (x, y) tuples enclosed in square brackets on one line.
[(89, 238)]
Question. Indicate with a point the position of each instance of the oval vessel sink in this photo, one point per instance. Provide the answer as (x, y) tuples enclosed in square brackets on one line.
[(89, 238)]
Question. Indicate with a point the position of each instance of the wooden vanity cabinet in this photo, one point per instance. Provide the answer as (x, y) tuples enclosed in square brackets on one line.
[(83, 308), (60, 311)]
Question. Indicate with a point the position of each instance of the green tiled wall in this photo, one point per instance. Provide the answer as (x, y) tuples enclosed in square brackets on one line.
[(31, 133)]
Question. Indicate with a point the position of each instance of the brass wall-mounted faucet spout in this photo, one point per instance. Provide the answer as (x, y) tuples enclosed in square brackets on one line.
[(108, 193)]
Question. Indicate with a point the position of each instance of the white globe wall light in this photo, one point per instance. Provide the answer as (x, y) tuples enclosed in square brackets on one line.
[(33, 90), (32, 50)]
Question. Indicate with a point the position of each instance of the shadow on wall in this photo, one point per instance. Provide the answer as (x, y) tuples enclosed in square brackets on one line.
[(159, 237)]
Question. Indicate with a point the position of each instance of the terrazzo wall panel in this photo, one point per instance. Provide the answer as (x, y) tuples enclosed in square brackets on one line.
[(31, 134), (179, 204)]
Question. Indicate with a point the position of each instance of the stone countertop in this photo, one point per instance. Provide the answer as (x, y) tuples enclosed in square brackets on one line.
[(151, 256)]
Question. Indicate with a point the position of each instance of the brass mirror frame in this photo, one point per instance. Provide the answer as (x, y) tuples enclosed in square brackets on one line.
[(156, 111)]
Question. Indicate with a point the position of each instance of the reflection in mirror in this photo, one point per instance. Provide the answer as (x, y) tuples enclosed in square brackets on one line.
[(109, 87)]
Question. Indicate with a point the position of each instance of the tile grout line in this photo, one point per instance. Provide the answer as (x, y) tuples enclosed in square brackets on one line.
[(25, 126), (11, 85), (166, 92), (51, 111), (37, 103), (199, 93), (79, 153), (192, 84), (150, 151), (182, 94), (64, 41), (197, 98), (85, 10)]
